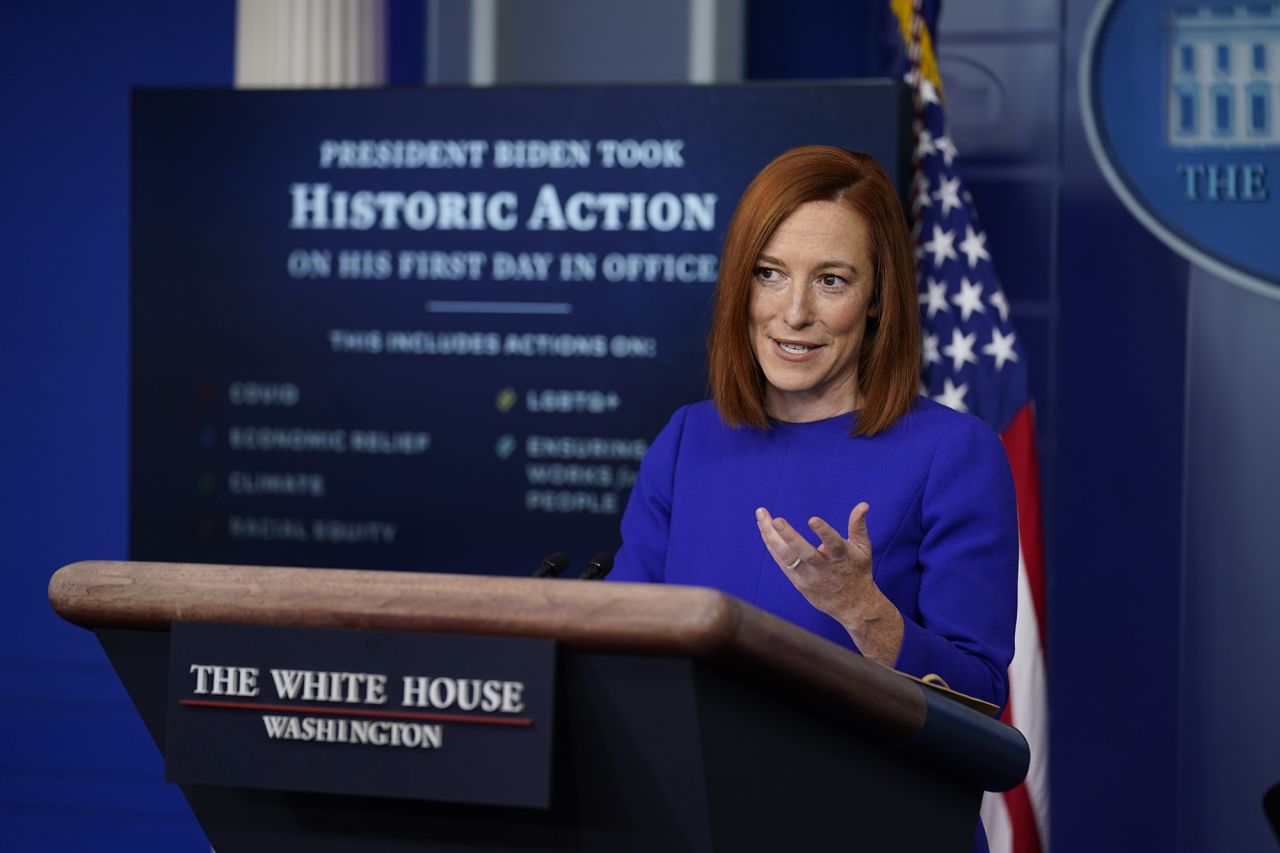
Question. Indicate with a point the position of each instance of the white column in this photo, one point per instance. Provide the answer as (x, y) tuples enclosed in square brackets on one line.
[(484, 38), (702, 41), (302, 44), (716, 41)]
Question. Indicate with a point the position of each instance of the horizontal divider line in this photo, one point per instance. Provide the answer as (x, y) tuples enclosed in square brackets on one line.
[(445, 306), (359, 712)]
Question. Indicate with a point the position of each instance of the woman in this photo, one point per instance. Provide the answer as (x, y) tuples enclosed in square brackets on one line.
[(814, 369)]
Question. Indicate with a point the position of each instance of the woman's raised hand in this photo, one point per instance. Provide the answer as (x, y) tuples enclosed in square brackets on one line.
[(836, 578)]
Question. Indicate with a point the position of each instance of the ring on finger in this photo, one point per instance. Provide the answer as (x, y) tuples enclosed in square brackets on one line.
[(792, 565)]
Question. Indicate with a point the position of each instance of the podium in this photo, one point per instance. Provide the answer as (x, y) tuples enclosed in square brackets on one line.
[(685, 719)]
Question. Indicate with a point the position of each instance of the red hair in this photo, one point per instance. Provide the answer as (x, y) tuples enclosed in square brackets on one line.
[(889, 361)]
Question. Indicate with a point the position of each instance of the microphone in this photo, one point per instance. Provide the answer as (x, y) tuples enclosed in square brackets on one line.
[(597, 567), (552, 565)]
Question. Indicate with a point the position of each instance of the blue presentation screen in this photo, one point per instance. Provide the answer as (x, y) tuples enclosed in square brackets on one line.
[(433, 329)]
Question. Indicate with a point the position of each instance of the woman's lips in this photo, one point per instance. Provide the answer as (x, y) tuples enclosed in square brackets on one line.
[(794, 350)]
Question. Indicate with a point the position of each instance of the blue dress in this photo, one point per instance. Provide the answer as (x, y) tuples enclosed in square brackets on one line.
[(943, 526)]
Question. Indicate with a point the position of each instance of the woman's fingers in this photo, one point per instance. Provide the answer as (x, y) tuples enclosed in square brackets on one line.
[(772, 541), (834, 543), (835, 577), (783, 542), (797, 545), (786, 544), (858, 523)]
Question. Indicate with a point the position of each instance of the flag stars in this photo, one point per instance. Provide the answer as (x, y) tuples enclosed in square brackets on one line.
[(928, 91), (930, 354), (1001, 348), (941, 246), (924, 144), (967, 337), (921, 199), (997, 301), (960, 350), (969, 299), (936, 298), (948, 194), (946, 147), (953, 396), (974, 246)]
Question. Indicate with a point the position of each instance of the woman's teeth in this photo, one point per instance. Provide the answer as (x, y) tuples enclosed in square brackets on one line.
[(795, 349)]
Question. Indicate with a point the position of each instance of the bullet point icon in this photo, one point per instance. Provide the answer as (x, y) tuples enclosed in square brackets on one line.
[(207, 437), (505, 400), (505, 446), (207, 482)]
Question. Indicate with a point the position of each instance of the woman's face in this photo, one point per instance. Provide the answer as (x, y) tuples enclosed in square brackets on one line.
[(809, 303)]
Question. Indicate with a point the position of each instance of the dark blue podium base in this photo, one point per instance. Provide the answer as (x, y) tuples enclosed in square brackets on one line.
[(650, 754)]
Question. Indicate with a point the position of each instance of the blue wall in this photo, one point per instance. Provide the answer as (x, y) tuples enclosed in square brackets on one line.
[(78, 770), (1117, 509), (1230, 645)]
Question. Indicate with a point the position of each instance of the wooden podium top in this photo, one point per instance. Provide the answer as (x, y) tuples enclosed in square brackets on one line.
[(583, 615), (588, 616)]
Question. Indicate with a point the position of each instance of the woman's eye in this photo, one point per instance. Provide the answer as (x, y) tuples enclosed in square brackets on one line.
[(767, 274), (831, 280)]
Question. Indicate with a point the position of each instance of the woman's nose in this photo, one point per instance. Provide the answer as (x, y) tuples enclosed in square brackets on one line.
[(799, 310)]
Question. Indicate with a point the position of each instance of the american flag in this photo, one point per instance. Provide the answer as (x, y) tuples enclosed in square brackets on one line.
[(974, 362)]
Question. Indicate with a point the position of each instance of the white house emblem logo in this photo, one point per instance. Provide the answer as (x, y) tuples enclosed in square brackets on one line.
[(1181, 105), (1224, 68)]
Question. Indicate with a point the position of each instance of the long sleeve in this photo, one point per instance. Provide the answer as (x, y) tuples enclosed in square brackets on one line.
[(968, 563), (646, 522)]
